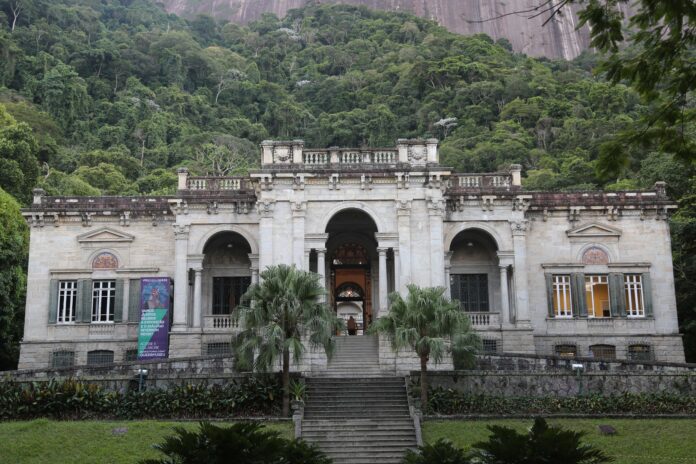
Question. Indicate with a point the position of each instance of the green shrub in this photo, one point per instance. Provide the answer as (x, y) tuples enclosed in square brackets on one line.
[(241, 443), (440, 452), (451, 402), (541, 444), (74, 399)]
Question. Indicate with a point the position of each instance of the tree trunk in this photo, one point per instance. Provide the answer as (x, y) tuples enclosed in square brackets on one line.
[(424, 383), (286, 382)]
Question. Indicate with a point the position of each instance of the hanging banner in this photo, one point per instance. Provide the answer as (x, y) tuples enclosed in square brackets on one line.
[(155, 303)]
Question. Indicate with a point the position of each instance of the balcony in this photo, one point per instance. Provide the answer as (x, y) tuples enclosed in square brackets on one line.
[(349, 157), (475, 182), (219, 323), (217, 183)]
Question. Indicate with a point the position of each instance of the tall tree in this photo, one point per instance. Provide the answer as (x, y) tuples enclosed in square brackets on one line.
[(429, 324), (278, 316), (14, 247)]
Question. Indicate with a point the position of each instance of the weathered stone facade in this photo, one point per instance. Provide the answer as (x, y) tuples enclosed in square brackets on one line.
[(370, 221)]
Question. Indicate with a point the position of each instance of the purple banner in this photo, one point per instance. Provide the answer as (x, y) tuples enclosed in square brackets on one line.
[(153, 333)]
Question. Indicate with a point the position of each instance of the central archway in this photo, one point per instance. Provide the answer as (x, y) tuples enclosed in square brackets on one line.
[(351, 265)]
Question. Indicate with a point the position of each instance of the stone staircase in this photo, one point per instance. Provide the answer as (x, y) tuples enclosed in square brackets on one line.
[(355, 356), (355, 413)]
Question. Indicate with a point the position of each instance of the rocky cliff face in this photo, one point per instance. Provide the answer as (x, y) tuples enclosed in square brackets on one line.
[(509, 19)]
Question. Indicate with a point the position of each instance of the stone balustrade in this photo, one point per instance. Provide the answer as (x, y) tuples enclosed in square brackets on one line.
[(349, 157), (219, 322), (217, 183), (481, 181), (484, 319)]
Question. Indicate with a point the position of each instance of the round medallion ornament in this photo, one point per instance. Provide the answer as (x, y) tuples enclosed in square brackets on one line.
[(105, 261), (595, 255)]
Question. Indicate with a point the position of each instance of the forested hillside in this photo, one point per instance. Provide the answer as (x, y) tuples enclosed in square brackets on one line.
[(110, 97)]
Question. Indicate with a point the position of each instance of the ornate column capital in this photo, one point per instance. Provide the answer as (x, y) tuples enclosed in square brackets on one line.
[(382, 251), (519, 228), (436, 207), (181, 231), (320, 250), (403, 207), (299, 208), (265, 208)]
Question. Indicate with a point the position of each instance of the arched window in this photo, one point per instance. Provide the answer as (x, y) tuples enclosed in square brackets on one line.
[(349, 291)]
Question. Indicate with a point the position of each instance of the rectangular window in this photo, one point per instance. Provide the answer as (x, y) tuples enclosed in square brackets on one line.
[(63, 359), (103, 300), (490, 346), (99, 357), (218, 348), (597, 296), (471, 290), (67, 301), (633, 285), (639, 353), (562, 301), (566, 351), (227, 293), (131, 355), (607, 352)]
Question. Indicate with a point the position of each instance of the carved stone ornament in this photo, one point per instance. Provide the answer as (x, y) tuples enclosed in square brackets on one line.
[(595, 255), (519, 227), (105, 261)]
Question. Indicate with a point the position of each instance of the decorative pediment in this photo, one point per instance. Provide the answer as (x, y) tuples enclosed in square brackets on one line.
[(594, 230), (105, 235)]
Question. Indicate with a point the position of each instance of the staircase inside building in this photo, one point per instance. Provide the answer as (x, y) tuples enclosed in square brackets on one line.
[(354, 412)]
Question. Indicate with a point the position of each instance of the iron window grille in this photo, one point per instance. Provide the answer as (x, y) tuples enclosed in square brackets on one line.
[(218, 348), (566, 351), (603, 352), (640, 353), (490, 346), (62, 359), (131, 355), (99, 357), (471, 290)]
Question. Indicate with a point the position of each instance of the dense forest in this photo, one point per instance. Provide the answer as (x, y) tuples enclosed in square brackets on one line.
[(111, 96)]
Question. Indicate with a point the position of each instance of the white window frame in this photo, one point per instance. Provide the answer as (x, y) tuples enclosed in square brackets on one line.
[(635, 301), (596, 279), (103, 290), (561, 288), (67, 302)]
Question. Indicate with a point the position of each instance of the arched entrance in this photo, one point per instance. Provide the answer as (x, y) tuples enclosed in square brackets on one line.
[(352, 265), (226, 275)]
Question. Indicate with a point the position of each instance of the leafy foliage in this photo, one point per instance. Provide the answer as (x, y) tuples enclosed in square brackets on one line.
[(75, 399), (541, 444), (440, 452), (244, 442), (276, 315), (453, 402), (429, 324)]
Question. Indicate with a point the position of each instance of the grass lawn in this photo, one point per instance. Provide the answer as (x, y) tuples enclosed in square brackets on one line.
[(638, 441), (55, 442)]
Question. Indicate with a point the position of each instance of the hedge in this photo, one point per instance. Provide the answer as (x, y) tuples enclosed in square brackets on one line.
[(452, 402), (75, 399)]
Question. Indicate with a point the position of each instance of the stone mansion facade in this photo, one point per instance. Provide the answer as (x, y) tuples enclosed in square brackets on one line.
[(572, 274)]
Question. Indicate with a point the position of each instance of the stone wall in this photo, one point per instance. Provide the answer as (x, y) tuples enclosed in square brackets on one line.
[(511, 375)]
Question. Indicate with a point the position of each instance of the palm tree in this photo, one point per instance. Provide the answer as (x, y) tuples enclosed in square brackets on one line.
[(429, 324), (275, 315)]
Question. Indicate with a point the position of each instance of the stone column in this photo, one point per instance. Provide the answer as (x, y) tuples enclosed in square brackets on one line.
[(519, 243), (382, 280), (397, 270), (436, 211), (321, 264), (265, 210), (254, 268), (504, 296), (448, 269), (298, 234), (181, 233), (403, 213), (197, 297)]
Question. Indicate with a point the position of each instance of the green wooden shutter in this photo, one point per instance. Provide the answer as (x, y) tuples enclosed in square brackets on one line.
[(549, 293), (134, 301), (617, 295), (118, 301), (647, 294), (53, 301), (577, 289), (84, 300)]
